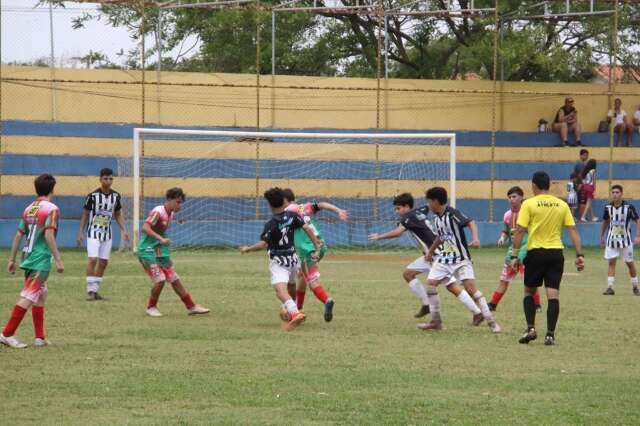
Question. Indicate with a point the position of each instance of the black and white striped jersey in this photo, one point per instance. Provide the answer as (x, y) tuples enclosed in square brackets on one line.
[(102, 208), (619, 218), (416, 221), (449, 227), (278, 234)]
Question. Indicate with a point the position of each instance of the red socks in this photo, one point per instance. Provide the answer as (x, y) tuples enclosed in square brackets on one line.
[(300, 298), (320, 294), (14, 321), (188, 302), (536, 298), (495, 299), (37, 312)]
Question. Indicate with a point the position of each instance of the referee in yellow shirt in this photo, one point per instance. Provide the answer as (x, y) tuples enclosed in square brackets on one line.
[(544, 216)]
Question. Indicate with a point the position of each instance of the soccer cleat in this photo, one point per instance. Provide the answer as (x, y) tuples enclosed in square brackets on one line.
[(495, 327), (636, 291), (328, 310), (296, 320), (549, 340), (432, 325), (154, 312), (609, 292), (424, 310), (492, 307), (97, 296), (477, 319), (12, 342), (38, 342), (528, 336), (91, 296), (538, 308), (198, 310)]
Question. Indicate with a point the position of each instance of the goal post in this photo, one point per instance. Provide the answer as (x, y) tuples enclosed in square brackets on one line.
[(226, 171)]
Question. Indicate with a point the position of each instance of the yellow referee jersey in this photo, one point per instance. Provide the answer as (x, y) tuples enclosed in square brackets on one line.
[(544, 216)]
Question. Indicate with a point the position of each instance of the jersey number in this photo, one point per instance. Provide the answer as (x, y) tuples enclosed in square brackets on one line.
[(285, 238), (28, 244)]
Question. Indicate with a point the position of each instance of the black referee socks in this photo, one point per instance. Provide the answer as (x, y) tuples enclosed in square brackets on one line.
[(530, 311), (553, 311)]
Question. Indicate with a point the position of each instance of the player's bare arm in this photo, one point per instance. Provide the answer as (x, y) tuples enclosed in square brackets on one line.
[(577, 244), (11, 267), (517, 241), (503, 238), (637, 240), (83, 224), (429, 256), (314, 239), (342, 214), (475, 241), (394, 233), (603, 231), (147, 229), (260, 245), (123, 226), (50, 238)]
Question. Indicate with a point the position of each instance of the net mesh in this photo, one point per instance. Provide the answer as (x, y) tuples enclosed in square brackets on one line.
[(225, 175)]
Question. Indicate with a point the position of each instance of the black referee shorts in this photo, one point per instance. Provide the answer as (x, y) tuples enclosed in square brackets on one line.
[(544, 266)]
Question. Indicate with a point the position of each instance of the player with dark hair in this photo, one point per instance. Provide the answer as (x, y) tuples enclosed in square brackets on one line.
[(100, 208), (154, 254), (39, 224), (278, 238), (516, 196), (543, 217), (453, 261), (616, 238), (415, 221), (309, 272)]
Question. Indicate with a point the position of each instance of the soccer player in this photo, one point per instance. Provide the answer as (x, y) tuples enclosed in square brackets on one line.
[(155, 255), (415, 221), (453, 261), (100, 207), (616, 238), (309, 268), (39, 224), (543, 217), (278, 237), (516, 196)]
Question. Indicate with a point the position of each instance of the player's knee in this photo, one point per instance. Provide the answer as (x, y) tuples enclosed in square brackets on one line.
[(409, 275)]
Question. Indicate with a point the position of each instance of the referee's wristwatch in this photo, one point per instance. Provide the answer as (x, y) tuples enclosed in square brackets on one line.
[(579, 255)]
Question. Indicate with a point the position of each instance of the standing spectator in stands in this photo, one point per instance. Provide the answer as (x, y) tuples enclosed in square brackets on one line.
[(621, 124), (584, 157), (588, 189), (566, 122)]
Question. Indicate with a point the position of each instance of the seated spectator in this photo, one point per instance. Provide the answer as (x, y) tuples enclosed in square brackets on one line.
[(636, 120), (588, 189), (621, 125), (566, 122)]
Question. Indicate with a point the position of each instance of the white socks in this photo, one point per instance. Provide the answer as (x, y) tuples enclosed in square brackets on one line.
[(469, 303), (482, 303), (93, 284), (634, 282), (291, 307), (418, 289), (434, 304), (611, 281)]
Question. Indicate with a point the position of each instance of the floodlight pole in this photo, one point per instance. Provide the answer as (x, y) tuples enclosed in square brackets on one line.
[(273, 42)]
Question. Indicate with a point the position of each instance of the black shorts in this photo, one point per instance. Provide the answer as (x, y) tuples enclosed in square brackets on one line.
[(544, 266)]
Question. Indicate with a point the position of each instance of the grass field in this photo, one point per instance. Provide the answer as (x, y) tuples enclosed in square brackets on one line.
[(112, 365)]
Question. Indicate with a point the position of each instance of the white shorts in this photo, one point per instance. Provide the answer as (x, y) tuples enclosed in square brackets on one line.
[(282, 274), (460, 271), (420, 264), (99, 249), (613, 253)]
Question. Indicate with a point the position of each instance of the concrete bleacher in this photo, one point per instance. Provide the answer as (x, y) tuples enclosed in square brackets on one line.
[(66, 150)]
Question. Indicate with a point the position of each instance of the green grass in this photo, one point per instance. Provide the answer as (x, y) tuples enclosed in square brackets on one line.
[(112, 365)]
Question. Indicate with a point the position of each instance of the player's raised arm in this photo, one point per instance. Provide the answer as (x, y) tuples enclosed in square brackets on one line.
[(11, 267), (394, 233), (260, 245), (342, 214), (147, 229)]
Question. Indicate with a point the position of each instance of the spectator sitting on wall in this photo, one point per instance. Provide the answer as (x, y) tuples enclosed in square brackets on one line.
[(566, 122), (636, 120), (621, 124)]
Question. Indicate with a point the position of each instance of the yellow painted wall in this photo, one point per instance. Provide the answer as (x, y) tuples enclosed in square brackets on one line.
[(295, 102)]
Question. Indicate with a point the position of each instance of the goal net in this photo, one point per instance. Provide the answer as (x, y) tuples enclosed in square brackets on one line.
[(225, 173)]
